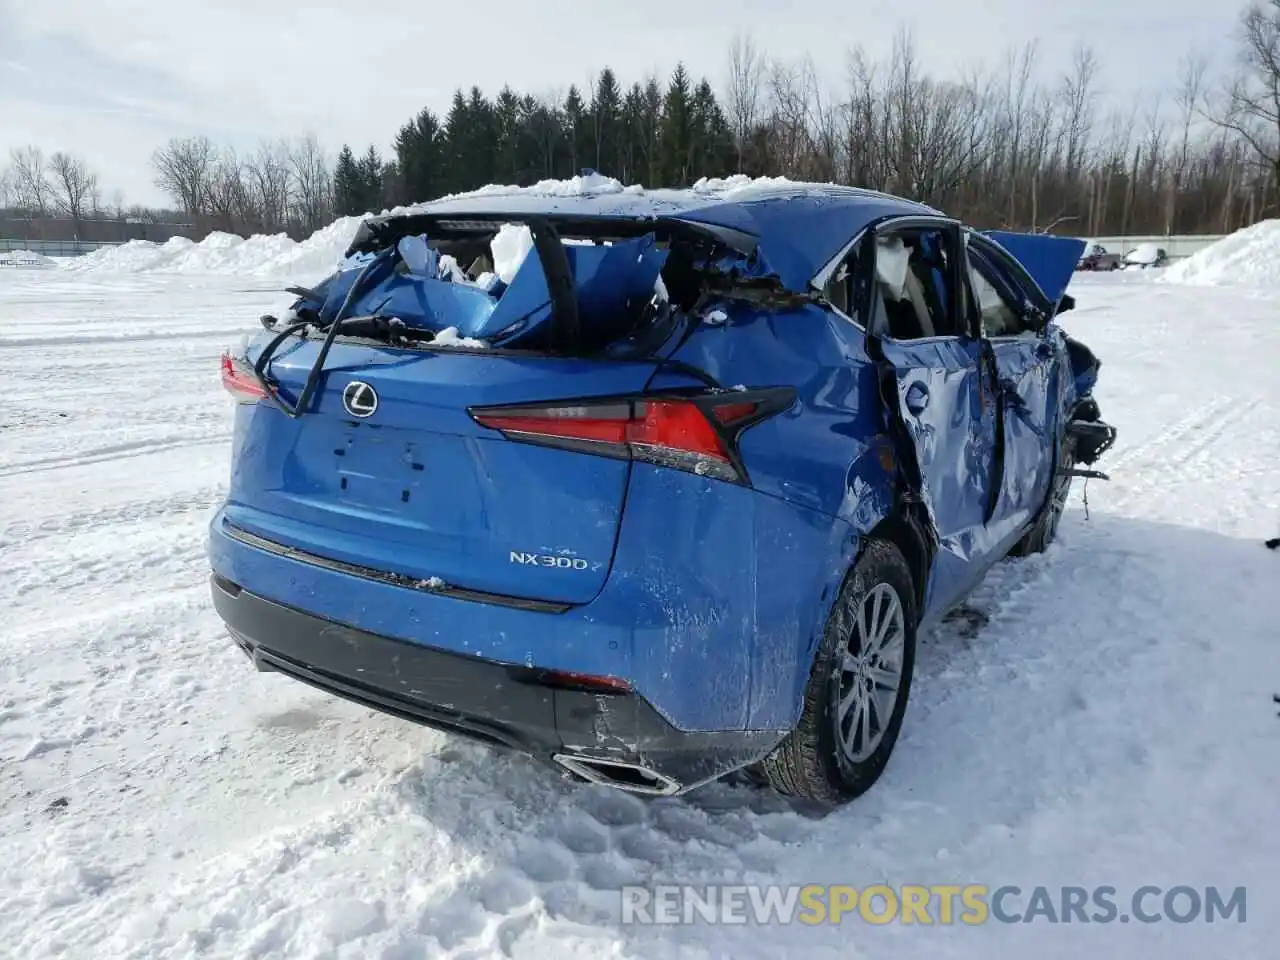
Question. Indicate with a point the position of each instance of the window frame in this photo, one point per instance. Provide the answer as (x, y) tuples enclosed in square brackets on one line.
[(1003, 289), (957, 278), (1013, 280)]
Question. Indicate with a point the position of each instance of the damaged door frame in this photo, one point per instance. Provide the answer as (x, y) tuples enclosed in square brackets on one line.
[(910, 502)]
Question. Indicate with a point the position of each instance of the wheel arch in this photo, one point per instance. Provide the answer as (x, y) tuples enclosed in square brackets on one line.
[(906, 529)]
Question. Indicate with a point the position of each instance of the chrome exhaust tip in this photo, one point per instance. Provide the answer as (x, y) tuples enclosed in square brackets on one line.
[(619, 774)]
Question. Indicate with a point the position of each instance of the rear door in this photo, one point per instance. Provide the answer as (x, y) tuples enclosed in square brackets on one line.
[(1027, 367), (398, 478), (941, 377)]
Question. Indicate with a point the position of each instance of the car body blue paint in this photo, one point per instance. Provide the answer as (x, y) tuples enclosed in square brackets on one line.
[(452, 501), (940, 392), (709, 597)]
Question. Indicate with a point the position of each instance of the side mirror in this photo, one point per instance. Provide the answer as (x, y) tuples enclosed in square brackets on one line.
[(1068, 302)]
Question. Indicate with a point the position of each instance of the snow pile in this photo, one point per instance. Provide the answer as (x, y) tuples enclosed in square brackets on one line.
[(225, 253), (587, 185), (25, 258), (316, 255), (1249, 257)]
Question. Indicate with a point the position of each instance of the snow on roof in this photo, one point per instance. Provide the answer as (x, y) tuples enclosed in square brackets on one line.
[(594, 194), (797, 226)]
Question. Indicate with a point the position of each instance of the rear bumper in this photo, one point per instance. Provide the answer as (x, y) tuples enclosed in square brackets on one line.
[(500, 704)]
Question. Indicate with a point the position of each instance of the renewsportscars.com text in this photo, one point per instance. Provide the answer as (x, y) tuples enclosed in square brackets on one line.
[(941, 904)]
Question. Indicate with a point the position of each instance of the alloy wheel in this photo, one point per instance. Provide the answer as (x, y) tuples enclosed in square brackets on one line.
[(870, 673)]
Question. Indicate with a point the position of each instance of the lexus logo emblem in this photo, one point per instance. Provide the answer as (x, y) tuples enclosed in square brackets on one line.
[(360, 399)]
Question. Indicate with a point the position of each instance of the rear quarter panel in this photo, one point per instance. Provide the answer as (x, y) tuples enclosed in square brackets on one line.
[(821, 477)]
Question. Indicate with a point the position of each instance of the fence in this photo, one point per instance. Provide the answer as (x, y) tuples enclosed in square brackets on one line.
[(1175, 247), (56, 248), (97, 230)]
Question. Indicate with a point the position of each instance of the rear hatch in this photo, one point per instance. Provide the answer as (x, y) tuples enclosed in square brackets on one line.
[(416, 487), (431, 456)]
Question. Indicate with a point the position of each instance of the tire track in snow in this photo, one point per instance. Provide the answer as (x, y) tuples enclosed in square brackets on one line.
[(120, 451), (94, 623), (175, 506), (1152, 448), (159, 558)]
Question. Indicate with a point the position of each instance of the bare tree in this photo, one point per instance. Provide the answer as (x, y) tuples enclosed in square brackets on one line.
[(1252, 107), (1078, 95), (31, 188), (1018, 94), (312, 183), (75, 187), (184, 169), (267, 175), (229, 203), (798, 120), (746, 81), (1191, 70)]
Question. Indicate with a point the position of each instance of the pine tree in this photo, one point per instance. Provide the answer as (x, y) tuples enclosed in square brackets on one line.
[(575, 130), (456, 132), (482, 140), (371, 178), (420, 159), (631, 147), (545, 129), (507, 130), (675, 137), (606, 122), (653, 134), (348, 191), (713, 152)]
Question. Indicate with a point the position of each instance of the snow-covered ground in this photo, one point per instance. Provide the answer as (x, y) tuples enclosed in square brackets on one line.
[(1104, 716)]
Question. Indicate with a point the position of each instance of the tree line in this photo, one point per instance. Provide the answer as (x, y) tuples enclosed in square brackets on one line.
[(1002, 145)]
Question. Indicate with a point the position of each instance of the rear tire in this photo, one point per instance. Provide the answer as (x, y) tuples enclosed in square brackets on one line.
[(851, 716)]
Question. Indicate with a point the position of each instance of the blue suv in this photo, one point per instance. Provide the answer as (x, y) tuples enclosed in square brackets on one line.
[(651, 486)]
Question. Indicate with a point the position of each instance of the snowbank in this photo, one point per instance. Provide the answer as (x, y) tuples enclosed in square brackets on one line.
[(277, 255), (1249, 257), (225, 253), (25, 258)]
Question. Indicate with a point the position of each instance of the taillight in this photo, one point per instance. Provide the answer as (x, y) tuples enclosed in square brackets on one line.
[(238, 379), (565, 680), (698, 434)]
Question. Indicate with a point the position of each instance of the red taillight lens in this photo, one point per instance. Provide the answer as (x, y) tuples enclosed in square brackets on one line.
[(693, 435), (606, 424), (566, 680), (239, 381)]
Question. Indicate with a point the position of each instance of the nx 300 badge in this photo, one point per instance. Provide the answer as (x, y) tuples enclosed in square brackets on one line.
[(543, 560)]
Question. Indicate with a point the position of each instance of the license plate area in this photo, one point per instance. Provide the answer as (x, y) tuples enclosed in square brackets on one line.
[(380, 471)]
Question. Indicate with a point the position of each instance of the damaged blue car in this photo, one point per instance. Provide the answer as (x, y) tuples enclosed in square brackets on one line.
[(650, 486)]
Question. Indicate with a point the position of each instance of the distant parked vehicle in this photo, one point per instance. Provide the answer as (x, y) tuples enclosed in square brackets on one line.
[(1145, 255), (1096, 257)]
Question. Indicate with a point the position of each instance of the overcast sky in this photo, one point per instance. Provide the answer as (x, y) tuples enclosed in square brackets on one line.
[(112, 79)]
